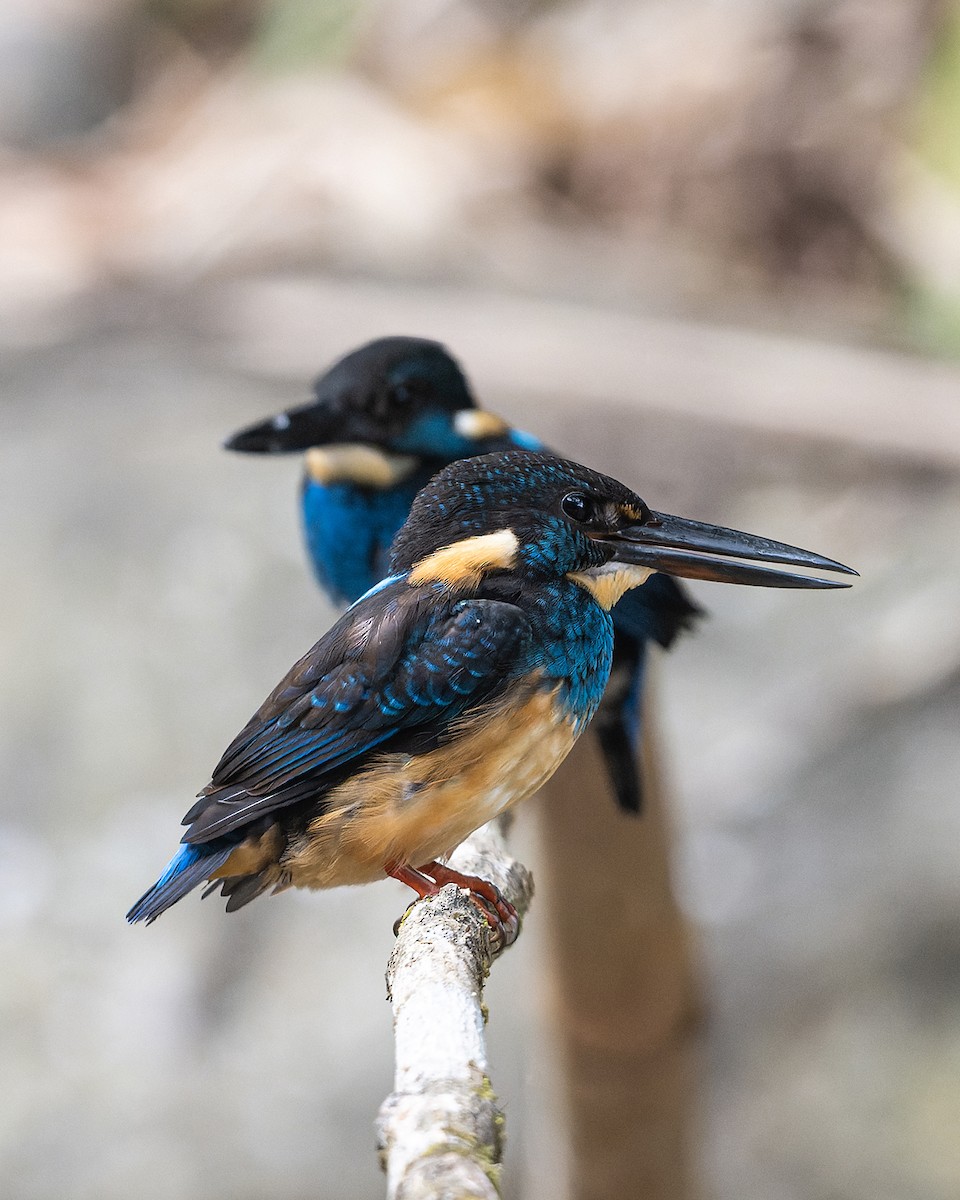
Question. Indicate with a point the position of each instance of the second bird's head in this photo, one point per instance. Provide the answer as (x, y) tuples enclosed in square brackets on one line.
[(542, 517), (401, 395)]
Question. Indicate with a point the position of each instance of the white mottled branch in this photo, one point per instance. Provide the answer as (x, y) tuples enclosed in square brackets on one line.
[(441, 1131)]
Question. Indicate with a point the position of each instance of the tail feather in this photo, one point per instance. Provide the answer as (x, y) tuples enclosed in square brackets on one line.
[(190, 866), (240, 889)]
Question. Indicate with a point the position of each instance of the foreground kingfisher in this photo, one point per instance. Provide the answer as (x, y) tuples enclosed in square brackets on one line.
[(383, 421), (453, 689)]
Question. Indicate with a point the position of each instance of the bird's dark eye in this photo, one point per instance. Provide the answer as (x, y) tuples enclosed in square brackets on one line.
[(403, 393), (576, 506)]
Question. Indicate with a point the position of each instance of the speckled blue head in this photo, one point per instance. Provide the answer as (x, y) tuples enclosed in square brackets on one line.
[(562, 518), (558, 510)]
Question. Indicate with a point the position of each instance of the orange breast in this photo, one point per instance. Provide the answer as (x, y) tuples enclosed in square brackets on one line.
[(414, 809)]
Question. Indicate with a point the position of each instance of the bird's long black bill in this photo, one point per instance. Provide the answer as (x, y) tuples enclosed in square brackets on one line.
[(287, 432), (695, 550)]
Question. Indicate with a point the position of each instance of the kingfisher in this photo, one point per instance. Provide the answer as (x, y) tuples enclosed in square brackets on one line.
[(386, 418), (452, 689)]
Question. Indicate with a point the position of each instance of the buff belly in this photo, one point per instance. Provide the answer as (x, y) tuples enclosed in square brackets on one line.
[(405, 809)]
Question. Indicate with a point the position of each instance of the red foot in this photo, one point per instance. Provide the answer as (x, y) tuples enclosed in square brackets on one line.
[(427, 880), (413, 879)]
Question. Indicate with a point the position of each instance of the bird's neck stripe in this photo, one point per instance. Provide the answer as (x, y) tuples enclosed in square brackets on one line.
[(608, 583), (464, 563), (366, 466)]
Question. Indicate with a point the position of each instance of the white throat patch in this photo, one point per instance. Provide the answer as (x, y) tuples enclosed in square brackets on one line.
[(351, 462), (608, 582)]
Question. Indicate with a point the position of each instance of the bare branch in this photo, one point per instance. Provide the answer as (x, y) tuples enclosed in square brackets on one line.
[(441, 1131)]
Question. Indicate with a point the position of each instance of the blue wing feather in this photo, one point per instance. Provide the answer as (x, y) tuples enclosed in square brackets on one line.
[(190, 866), (417, 661)]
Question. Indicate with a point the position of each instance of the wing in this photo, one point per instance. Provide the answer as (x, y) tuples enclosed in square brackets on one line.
[(401, 662), (659, 610)]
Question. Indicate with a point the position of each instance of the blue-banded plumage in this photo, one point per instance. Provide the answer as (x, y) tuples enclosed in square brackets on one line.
[(449, 692), (384, 420)]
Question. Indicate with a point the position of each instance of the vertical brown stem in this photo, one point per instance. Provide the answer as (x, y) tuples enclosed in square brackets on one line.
[(624, 994)]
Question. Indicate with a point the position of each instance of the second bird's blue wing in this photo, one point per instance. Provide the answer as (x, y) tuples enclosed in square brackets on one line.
[(655, 612), (348, 531)]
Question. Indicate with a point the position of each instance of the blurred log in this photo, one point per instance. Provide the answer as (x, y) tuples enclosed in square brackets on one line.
[(581, 356), (622, 987), (441, 1131)]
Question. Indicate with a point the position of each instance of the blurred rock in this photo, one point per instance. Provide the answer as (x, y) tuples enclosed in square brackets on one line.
[(65, 66), (759, 136)]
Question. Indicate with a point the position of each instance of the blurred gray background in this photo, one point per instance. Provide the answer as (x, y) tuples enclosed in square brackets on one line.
[(712, 248)]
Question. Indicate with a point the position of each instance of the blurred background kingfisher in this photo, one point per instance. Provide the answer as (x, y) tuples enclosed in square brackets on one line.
[(386, 418), (453, 689)]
